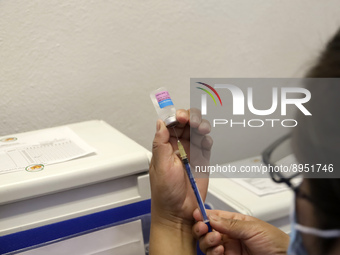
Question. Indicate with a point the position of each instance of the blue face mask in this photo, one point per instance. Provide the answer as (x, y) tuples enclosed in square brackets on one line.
[(296, 246)]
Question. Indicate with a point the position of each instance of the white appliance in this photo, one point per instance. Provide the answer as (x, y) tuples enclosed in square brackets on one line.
[(90, 194)]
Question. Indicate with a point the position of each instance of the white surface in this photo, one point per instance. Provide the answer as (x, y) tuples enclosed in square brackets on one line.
[(261, 186), (115, 176), (69, 61), (117, 156), (48, 209), (242, 200), (125, 239), (47, 147)]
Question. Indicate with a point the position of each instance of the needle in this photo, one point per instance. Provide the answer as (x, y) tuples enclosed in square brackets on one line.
[(175, 133)]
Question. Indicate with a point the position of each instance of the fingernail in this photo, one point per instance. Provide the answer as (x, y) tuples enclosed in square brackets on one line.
[(158, 127), (214, 217), (218, 250), (194, 119), (205, 125), (183, 115)]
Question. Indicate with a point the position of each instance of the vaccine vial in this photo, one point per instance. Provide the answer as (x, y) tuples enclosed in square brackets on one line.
[(164, 106)]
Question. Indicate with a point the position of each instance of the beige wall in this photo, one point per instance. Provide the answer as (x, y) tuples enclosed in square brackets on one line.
[(68, 61)]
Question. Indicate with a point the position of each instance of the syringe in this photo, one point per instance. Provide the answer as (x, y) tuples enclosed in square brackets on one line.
[(193, 184)]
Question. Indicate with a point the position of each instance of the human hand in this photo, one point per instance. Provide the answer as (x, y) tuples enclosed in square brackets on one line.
[(238, 234), (173, 199)]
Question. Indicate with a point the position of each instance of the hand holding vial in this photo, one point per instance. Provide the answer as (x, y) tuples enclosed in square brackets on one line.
[(173, 200)]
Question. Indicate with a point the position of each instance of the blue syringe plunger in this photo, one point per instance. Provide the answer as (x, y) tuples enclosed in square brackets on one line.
[(193, 184)]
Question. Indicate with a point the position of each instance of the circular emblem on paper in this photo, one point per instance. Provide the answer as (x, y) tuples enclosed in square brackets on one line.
[(35, 168), (8, 139)]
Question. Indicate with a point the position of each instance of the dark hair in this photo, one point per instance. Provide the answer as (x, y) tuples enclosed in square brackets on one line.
[(325, 192), (328, 64)]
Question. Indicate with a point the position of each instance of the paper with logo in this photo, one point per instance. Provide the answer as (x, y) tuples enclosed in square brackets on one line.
[(260, 186), (32, 151)]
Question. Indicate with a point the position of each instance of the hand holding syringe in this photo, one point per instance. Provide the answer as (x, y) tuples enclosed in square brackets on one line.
[(200, 145)]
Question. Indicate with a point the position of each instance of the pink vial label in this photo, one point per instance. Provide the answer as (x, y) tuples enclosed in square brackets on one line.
[(163, 99), (160, 96)]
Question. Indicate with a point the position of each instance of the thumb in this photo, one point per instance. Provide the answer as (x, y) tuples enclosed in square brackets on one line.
[(236, 229), (161, 147)]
